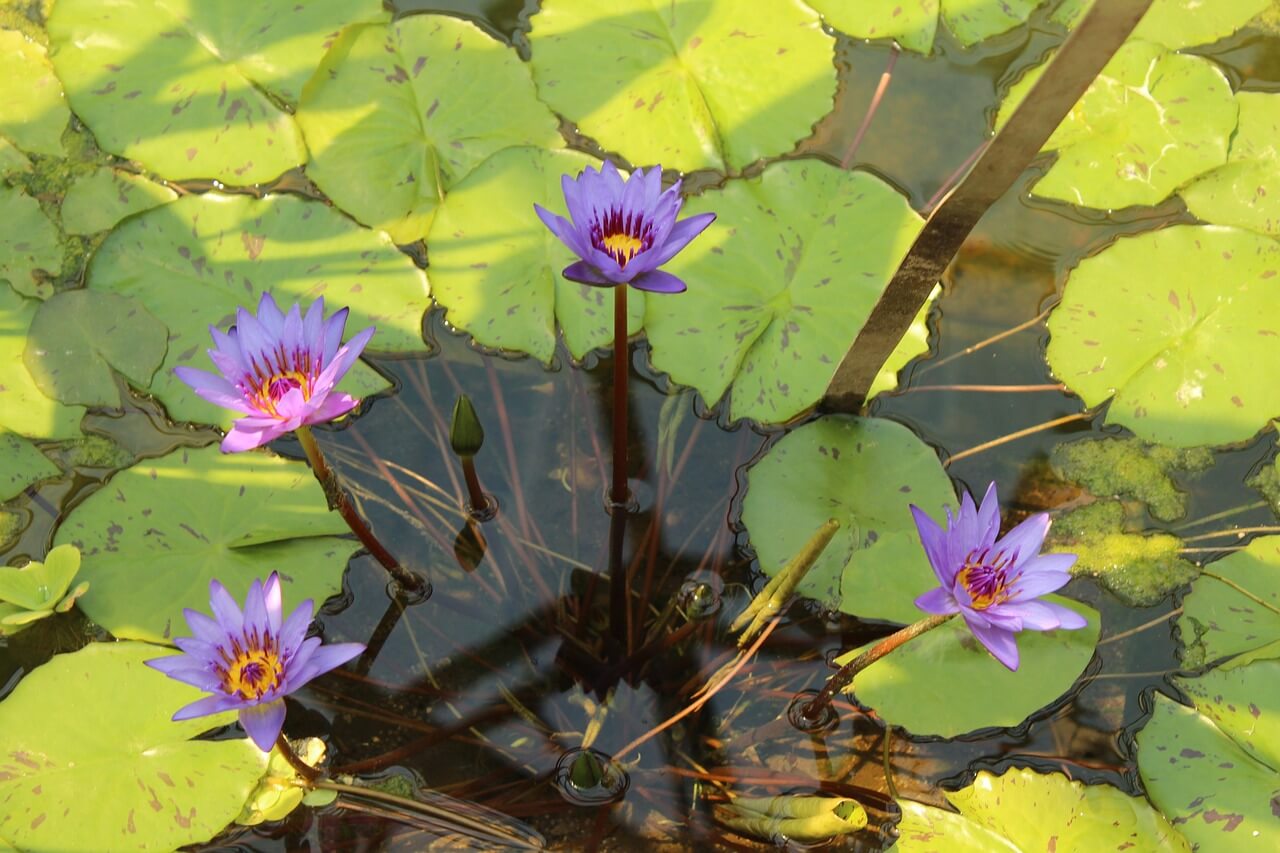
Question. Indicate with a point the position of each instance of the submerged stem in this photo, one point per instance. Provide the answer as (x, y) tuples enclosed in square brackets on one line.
[(338, 500), (816, 707)]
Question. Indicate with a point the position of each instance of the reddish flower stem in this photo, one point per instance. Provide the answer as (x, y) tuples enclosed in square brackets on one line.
[(306, 771), (475, 494), (336, 495), (621, 364), (816, 707)]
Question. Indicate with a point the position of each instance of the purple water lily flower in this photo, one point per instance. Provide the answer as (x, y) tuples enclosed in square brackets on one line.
[(278, 370), (623, 230), (250, 660), (995, 585)]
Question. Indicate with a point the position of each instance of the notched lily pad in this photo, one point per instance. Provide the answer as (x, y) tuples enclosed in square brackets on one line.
[(39, 589), (79, 336), (689, 85), (21, 464), (193, 262), (154, 788), (1211, 768), (1246, 191), (33, 112), (1022, 810), (1150, 122), (193, 89), (865, 473), (1219, 620), (779, 285), (24, 408), (927, 685), (397, 114), (1130, 468), (914, 23), (102, 198), (496, 268), (30, 245), (1180, 328), (1140, 569), (161, 530)]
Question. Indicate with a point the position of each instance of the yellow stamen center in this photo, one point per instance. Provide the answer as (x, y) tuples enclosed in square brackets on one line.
[(253, 673), (986, 579), (622, 246), (272, 391)]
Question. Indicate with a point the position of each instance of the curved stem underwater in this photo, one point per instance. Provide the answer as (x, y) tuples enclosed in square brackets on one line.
[(338, 500)]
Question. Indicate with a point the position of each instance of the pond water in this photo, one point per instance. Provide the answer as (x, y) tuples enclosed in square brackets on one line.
[(484, 691)]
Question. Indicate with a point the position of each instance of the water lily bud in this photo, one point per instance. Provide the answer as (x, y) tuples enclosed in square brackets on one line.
[(465, 433)]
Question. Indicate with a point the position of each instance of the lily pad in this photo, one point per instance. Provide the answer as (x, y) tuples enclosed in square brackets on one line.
[(79, 336), (102, 198), (30, 246), (864, 473), (24, 408), (1178, 23), (193, 88), (927, 686), (12, 161), (193, 262), (1219, 620), (1150, 122), (914, 23), (1246, 191), (33, 112), (153, 787), (689, 85), (779, 285), (21, 464), (392, 122), (1212, 768), (1180, 328), (162, 529), (496, 268), (39, 589), (1021, 810)]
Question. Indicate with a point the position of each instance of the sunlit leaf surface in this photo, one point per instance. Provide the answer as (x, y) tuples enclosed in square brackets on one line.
[(1150, 122), (166, 527), (1246, 191), (914, 23), (865, 473), (24, 408), (1219, 619), (30, 246), (779, 285), (398, 114), (1178, 23), (21, 464), (193, 88), (1022, 810), (153, 787), (692, 84), (1180, 328), (33, 111), (99, 200), (193, 262)]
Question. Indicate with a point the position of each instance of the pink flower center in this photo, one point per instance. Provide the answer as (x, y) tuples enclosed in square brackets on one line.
[(622, 237), (986, 578)]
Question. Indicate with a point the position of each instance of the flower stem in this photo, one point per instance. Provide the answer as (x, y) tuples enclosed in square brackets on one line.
[(338, 500), (816, 707), (621, 364), (308, 773), (479, 501)]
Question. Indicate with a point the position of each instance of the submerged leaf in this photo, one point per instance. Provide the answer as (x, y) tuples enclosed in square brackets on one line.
[(154, 788), (779, 285), (398, 114), (688, 85), (167, 526), (1130, 468), (1180, 328)]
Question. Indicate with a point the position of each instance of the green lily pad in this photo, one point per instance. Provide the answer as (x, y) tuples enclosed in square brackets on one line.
[(193, 262), (33, 112), (194, 89), (281, 789), (496, 268), (21, 464), (153, 787), (1150, 122), (689, 85), (1212, 768), (1180, 328), (1246, 191), (39, 589), (1129, 468), (12, 161), (779, 285), (154, 538), (1140, 569), (927, 686), (1022, 810), (864, 473), (1178, 23), (79, 336), (1218, 620), (99, 200), (914, 23), (24, 408), (392, 122), (30, 246)]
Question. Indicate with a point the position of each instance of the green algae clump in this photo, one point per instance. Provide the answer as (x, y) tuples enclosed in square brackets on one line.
[(1131, 468)]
